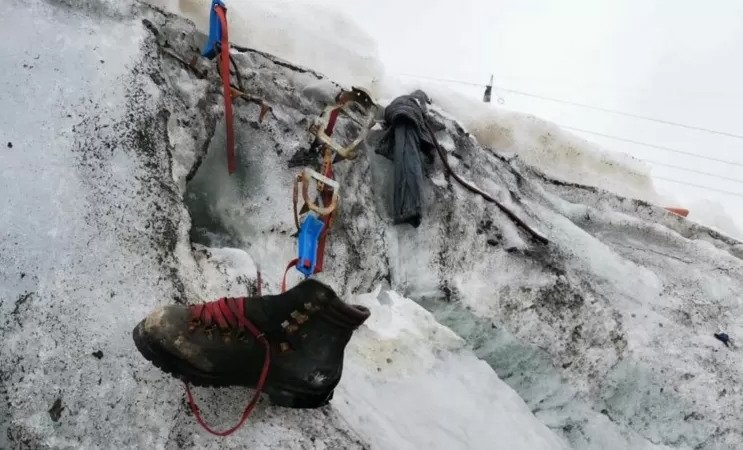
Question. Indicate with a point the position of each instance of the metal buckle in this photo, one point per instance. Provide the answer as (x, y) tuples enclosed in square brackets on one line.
[(304, 179)]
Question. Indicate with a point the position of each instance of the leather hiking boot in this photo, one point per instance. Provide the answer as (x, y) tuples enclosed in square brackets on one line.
[(224, 342)]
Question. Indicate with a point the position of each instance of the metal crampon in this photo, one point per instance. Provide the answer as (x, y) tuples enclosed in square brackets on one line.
[(357, 106)]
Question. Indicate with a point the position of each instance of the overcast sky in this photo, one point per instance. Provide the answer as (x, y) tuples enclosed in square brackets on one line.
[(675, 60)]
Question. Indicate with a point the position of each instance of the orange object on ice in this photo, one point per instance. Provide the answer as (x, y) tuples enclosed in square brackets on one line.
[(679, 211)]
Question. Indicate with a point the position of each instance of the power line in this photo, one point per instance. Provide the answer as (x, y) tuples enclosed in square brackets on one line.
[(571, 82), (735, 180), (622, 113), (660, 147), (585, 105), (686, 183), (447, 80), (617, 87), (672, 165)]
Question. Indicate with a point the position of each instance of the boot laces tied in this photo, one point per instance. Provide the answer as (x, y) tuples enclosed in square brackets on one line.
[(229, 313)]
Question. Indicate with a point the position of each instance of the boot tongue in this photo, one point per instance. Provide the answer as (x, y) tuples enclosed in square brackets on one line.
[(345, 315), (333, 308), (313, 297)]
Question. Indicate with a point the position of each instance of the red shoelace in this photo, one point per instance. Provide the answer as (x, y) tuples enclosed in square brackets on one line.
[(230, 313)]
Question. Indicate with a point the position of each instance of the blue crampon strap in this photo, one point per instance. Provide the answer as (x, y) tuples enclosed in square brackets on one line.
[(309, 233), (215, 31)]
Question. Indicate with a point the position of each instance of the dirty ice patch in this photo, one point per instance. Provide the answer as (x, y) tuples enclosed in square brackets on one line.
[(715, 215), (409, 383), (225, 272), (281, 27)]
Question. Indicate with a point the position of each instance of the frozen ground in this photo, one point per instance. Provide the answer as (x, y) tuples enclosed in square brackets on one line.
[(601, 339)]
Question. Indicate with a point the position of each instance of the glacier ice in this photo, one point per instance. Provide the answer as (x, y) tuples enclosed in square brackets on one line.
[(116, 200)]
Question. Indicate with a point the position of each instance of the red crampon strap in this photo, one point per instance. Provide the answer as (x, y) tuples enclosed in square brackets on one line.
[(291, 264), (326, 198), (231, 312), (331, 121), (259, 284), (224, 62)]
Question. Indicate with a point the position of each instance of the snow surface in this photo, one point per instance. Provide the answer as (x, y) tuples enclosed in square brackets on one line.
[(300, 31), (602, 339), (409, 383)]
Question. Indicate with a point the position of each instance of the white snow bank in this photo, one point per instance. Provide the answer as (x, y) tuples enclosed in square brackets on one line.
[(409, 384), (299, 31)]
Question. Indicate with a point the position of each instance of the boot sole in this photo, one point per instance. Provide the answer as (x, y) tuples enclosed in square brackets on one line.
[(283, 396)]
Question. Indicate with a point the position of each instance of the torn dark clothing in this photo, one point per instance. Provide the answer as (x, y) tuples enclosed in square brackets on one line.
[(407, 203), (407, 135)]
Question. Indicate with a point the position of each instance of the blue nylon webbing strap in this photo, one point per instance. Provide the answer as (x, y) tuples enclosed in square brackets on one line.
[(211, 49)]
